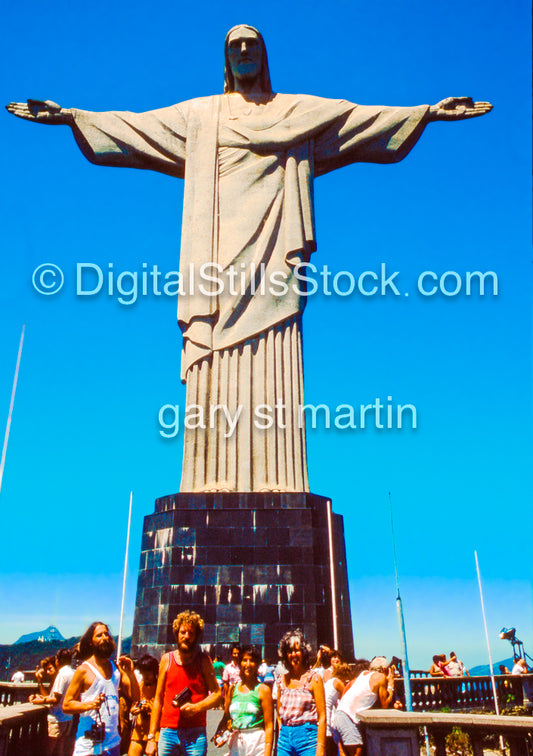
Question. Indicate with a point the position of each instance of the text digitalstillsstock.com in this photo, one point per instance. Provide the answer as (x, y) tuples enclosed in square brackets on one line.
[(219, 417), (212, 280)]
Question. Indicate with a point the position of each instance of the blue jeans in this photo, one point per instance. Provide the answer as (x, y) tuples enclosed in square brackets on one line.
[(297, 741), (183, 741)]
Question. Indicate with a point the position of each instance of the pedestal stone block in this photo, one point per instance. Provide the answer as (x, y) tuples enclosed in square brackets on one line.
[(252, 565)]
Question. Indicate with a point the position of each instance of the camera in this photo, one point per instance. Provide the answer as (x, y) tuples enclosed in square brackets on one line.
[(96, 733), (183, 697), (220, 738), (396, 662)]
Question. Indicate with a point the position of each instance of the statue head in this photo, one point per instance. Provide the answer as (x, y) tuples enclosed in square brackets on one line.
[(245, 57)]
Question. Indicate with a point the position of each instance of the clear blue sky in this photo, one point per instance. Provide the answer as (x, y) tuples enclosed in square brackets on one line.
[(95, 373)]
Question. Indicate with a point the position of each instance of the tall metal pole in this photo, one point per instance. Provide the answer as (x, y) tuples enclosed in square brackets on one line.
[(494, 691), (119, 644), (11, 405), (401, 622), (332, 578)]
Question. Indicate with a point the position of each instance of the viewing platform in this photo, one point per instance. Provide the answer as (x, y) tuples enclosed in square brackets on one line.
[(23, 726), (396, 732)]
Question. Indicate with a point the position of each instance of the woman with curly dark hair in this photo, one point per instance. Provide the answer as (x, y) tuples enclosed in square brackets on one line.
[(300, 702)]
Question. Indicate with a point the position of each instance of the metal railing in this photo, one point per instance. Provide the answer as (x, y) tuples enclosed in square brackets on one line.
[(15, 693), (436, 693), (23, 730)]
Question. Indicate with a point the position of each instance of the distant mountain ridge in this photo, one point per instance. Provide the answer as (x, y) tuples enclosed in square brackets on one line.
[(27, 655), (484, 669), (51, 634)]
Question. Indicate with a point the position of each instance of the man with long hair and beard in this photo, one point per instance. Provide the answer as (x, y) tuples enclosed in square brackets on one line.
[(94, 693)]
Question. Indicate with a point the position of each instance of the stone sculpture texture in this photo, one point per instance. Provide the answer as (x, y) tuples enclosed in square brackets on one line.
[(249, 158)]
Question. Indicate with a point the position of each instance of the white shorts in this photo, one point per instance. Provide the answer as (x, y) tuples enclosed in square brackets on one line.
[(348, 730), (247, 742)]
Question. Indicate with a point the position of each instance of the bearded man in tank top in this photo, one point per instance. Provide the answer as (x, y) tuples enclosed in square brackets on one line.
[(94, 693), (187, 673), (376, 683)]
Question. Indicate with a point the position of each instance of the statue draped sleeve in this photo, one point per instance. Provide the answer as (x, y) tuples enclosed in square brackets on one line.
[(155, 140), (369, 134)]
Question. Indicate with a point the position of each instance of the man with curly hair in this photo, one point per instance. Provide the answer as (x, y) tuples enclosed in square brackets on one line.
[(186, 688)]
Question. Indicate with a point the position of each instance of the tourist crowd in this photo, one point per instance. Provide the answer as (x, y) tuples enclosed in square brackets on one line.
[(303, 706)]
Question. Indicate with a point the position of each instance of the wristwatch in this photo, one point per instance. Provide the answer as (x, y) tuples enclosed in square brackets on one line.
[(150, 736)]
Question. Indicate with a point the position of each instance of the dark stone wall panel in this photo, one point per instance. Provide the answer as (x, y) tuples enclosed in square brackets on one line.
[(262, 572), (229, 613), (180, 574), (148, 634), (277, 536), (221, 518), (230, 574), (146, 579), (211, 594), (230, 594), (205, 574), (252, 565), (259, 537), (148, 536), (301, 537), (295, 554), (215, 536)]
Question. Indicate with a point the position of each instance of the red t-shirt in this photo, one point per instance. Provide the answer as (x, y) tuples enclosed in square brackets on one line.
[(178, 678)]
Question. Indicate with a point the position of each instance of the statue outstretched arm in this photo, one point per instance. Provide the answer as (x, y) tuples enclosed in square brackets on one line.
[(154, 140), (41, 111), (380, 134), (457, 109)]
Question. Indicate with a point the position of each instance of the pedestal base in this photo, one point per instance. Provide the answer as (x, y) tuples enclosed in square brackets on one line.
[(252, 565)]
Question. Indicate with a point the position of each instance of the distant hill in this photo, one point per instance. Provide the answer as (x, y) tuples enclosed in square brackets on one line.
[(51, 634), (27, 656), (484, 669)]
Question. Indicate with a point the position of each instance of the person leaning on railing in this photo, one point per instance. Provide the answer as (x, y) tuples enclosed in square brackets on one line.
[(375, 684)]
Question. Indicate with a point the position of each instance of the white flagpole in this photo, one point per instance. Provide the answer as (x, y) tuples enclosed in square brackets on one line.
[(494, 691), (332, 578), (11, 404), (119, 644), (401, 622)]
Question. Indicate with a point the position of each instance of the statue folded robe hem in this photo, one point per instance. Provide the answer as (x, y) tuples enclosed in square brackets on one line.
[(248, 205)]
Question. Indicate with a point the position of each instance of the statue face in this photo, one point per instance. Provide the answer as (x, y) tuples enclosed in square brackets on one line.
[(245, 54)]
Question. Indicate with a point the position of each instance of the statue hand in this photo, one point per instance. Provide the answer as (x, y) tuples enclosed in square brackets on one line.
[(40, 111), (457, 109)]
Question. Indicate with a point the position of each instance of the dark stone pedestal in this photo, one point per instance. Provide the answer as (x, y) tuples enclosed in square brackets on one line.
[(252, 565)]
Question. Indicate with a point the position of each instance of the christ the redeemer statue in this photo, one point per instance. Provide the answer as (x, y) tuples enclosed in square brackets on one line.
[(249, 158)]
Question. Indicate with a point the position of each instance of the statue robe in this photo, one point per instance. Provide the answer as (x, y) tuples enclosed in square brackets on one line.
[(248, 208)]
